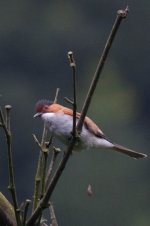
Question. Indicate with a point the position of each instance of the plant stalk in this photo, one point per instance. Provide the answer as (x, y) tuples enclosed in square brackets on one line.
[(11, 186)]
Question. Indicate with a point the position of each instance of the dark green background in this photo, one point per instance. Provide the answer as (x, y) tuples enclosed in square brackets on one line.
[(35, 37)]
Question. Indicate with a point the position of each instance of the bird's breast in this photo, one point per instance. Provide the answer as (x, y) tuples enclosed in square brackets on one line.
[(58, 123)]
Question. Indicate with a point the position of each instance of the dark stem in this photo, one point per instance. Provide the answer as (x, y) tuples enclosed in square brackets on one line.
[(68, 100), (53, 216), (56, 95), (51, 166), (73, 66), (12, 186), (45, 157), (121, 14), (27, 203), (38, 177)]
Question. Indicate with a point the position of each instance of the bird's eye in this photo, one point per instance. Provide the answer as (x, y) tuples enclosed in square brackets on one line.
[(45, 108)]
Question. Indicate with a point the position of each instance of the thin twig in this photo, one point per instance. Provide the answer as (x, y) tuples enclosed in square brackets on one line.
[(56, 95), (73, 66), (37, 181), (44, 134), (46, 177), (45, 158), (26, 207), (39, 187), (12, 186), (45, 151), (56, 151), (68, 100), (53, 216), (121, 14), (44, 201), (55, 101), (8, 108), (49, 172), (41, 171), (36, 140)]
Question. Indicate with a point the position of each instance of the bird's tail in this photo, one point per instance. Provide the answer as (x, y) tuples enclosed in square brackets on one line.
[(128, 152)]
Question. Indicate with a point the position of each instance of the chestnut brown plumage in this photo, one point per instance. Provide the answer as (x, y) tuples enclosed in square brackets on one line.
[(59, 119)]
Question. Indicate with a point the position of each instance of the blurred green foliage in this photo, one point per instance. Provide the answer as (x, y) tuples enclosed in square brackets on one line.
[(34, 41)]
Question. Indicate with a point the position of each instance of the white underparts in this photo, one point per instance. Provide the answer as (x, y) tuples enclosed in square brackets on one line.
[(60, 125)]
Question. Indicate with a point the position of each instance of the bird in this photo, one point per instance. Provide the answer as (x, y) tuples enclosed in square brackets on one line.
[(59, 121)]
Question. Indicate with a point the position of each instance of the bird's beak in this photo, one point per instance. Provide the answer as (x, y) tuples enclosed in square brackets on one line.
[(37, 114)]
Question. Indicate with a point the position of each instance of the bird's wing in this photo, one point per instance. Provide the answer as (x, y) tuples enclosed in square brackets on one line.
[(88, 123), (93, 128)]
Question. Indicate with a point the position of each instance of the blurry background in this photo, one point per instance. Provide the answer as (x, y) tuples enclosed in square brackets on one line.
[(35, 37)]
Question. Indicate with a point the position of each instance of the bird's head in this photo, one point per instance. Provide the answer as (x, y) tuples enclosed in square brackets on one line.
[(41, 107)]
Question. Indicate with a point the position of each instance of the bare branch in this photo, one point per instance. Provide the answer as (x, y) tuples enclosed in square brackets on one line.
[(53, 216), (121, 14), (56, 95), (12, 186), (8, 109), (68, 100), (37, 179), (53, 159), (36, 140), (73, 66), (27, 203)]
